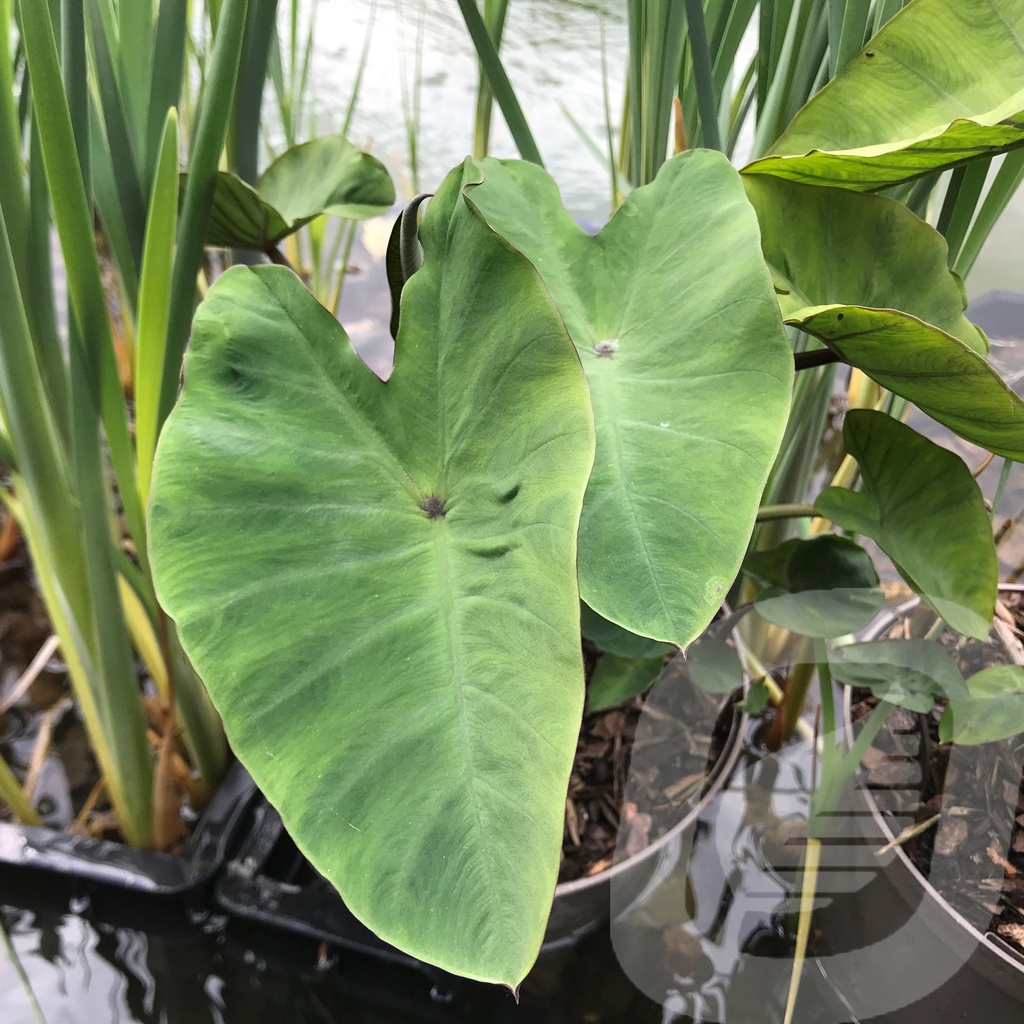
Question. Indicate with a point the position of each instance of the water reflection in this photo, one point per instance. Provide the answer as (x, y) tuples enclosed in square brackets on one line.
[(712, 935), (553, 56)]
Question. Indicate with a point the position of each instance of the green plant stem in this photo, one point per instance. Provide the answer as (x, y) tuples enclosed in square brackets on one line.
[(15, 797), (793, 510), (1004, 477), (828, 795)]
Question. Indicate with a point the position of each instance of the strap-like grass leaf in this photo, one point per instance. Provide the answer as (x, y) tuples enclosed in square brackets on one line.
[(941, 84), (937, 372), (672, 312), (377, 581), (922, 507)]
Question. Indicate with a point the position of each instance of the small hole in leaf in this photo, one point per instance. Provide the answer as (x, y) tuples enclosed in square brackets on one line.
[(870, 53), (433, 507), (839, 316)]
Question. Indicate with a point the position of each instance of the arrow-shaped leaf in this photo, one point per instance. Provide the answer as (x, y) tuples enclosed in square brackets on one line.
[(937, 372), (921, 505), (377, 581), (823, 587), (911, 673), (993, 711), (831, 246)]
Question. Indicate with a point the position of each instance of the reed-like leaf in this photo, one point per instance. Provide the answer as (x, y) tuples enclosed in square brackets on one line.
[(207, 143), (166, 72), (498, 80), (155, 302), (73, 220), (494, 18)]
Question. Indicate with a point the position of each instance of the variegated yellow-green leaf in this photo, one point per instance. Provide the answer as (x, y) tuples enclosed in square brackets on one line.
[(941, 84)]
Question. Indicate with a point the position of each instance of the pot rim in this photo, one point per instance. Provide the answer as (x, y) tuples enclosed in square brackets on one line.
[(995, 946), (717, 778)]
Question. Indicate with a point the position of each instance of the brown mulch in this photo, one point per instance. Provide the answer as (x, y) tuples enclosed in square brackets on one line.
[(974, 854), (638, 767)]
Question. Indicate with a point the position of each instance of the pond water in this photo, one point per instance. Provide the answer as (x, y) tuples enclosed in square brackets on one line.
[(100, 959)]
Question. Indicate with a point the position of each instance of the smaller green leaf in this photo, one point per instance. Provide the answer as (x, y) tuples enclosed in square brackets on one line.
[(328, 175), (240, 218), (823, 587), (714, 666), (833, 246), (921, 505), (911, 673), (994, 710), (938, 373), (613, 639), (618, 679), (756, 699)]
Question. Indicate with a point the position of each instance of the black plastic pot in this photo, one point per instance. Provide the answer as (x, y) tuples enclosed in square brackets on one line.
[(898, 952), (217, 834)]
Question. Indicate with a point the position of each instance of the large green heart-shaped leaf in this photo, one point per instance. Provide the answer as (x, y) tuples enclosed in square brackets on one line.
[(941, 84), (911, 673), (937, 372), (673, 315), (921, 505), (830, 246), (326, 175), (377, 581)]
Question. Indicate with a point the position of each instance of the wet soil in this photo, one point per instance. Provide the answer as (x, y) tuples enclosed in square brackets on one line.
[(973, 852)]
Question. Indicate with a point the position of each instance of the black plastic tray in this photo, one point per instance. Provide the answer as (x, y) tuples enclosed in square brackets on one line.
[(269, 881), (217, 834)]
